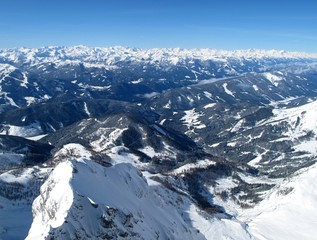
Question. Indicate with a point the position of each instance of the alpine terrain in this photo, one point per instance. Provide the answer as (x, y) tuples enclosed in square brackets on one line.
[(125, 143)]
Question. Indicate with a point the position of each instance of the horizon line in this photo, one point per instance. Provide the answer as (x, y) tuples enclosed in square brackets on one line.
[(151, 48)]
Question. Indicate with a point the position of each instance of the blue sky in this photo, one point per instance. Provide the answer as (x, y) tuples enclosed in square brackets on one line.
[(231, 24)]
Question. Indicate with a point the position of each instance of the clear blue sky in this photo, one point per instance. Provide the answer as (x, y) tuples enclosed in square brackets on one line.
[(222, 24)]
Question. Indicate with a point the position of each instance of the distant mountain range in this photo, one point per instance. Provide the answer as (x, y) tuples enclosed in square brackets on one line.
[(124, 143)]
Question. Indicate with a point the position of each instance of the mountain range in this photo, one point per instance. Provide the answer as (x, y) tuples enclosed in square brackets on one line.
[(125, 143)]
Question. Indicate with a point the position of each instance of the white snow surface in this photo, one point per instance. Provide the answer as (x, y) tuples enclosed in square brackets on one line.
[(273, 78), (86, 109), (51, 207), (237, 126), (30, 100), (36, 138), (6, 69), (210, 105), (257, 159), (255, 87), (191, 119), (190, 166), (105, 142), (137, 81), (289, 216), (225, 87), (215, 229), (31, 130), (23, 179), (74, 150)]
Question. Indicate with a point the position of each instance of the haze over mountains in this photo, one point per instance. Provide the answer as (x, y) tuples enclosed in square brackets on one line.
[(123, 143)]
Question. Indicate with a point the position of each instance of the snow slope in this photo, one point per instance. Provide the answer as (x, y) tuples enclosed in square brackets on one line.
[(273, 78), (301, 122), (289, 212), (301, 119), (191, 119), (31, 130)]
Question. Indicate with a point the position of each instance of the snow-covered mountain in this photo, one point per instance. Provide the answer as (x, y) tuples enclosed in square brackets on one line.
[(30, 76), (114, 55), (123, 143), (83, 199)]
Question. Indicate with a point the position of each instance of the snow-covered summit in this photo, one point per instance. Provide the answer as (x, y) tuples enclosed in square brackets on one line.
[(82, 199)]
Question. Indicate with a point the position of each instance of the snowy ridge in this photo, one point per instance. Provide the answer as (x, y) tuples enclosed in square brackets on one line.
[(54, 211), (121, 204), (112, 55)]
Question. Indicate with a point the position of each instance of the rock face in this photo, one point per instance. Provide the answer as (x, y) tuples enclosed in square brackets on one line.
[(156, 144)]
